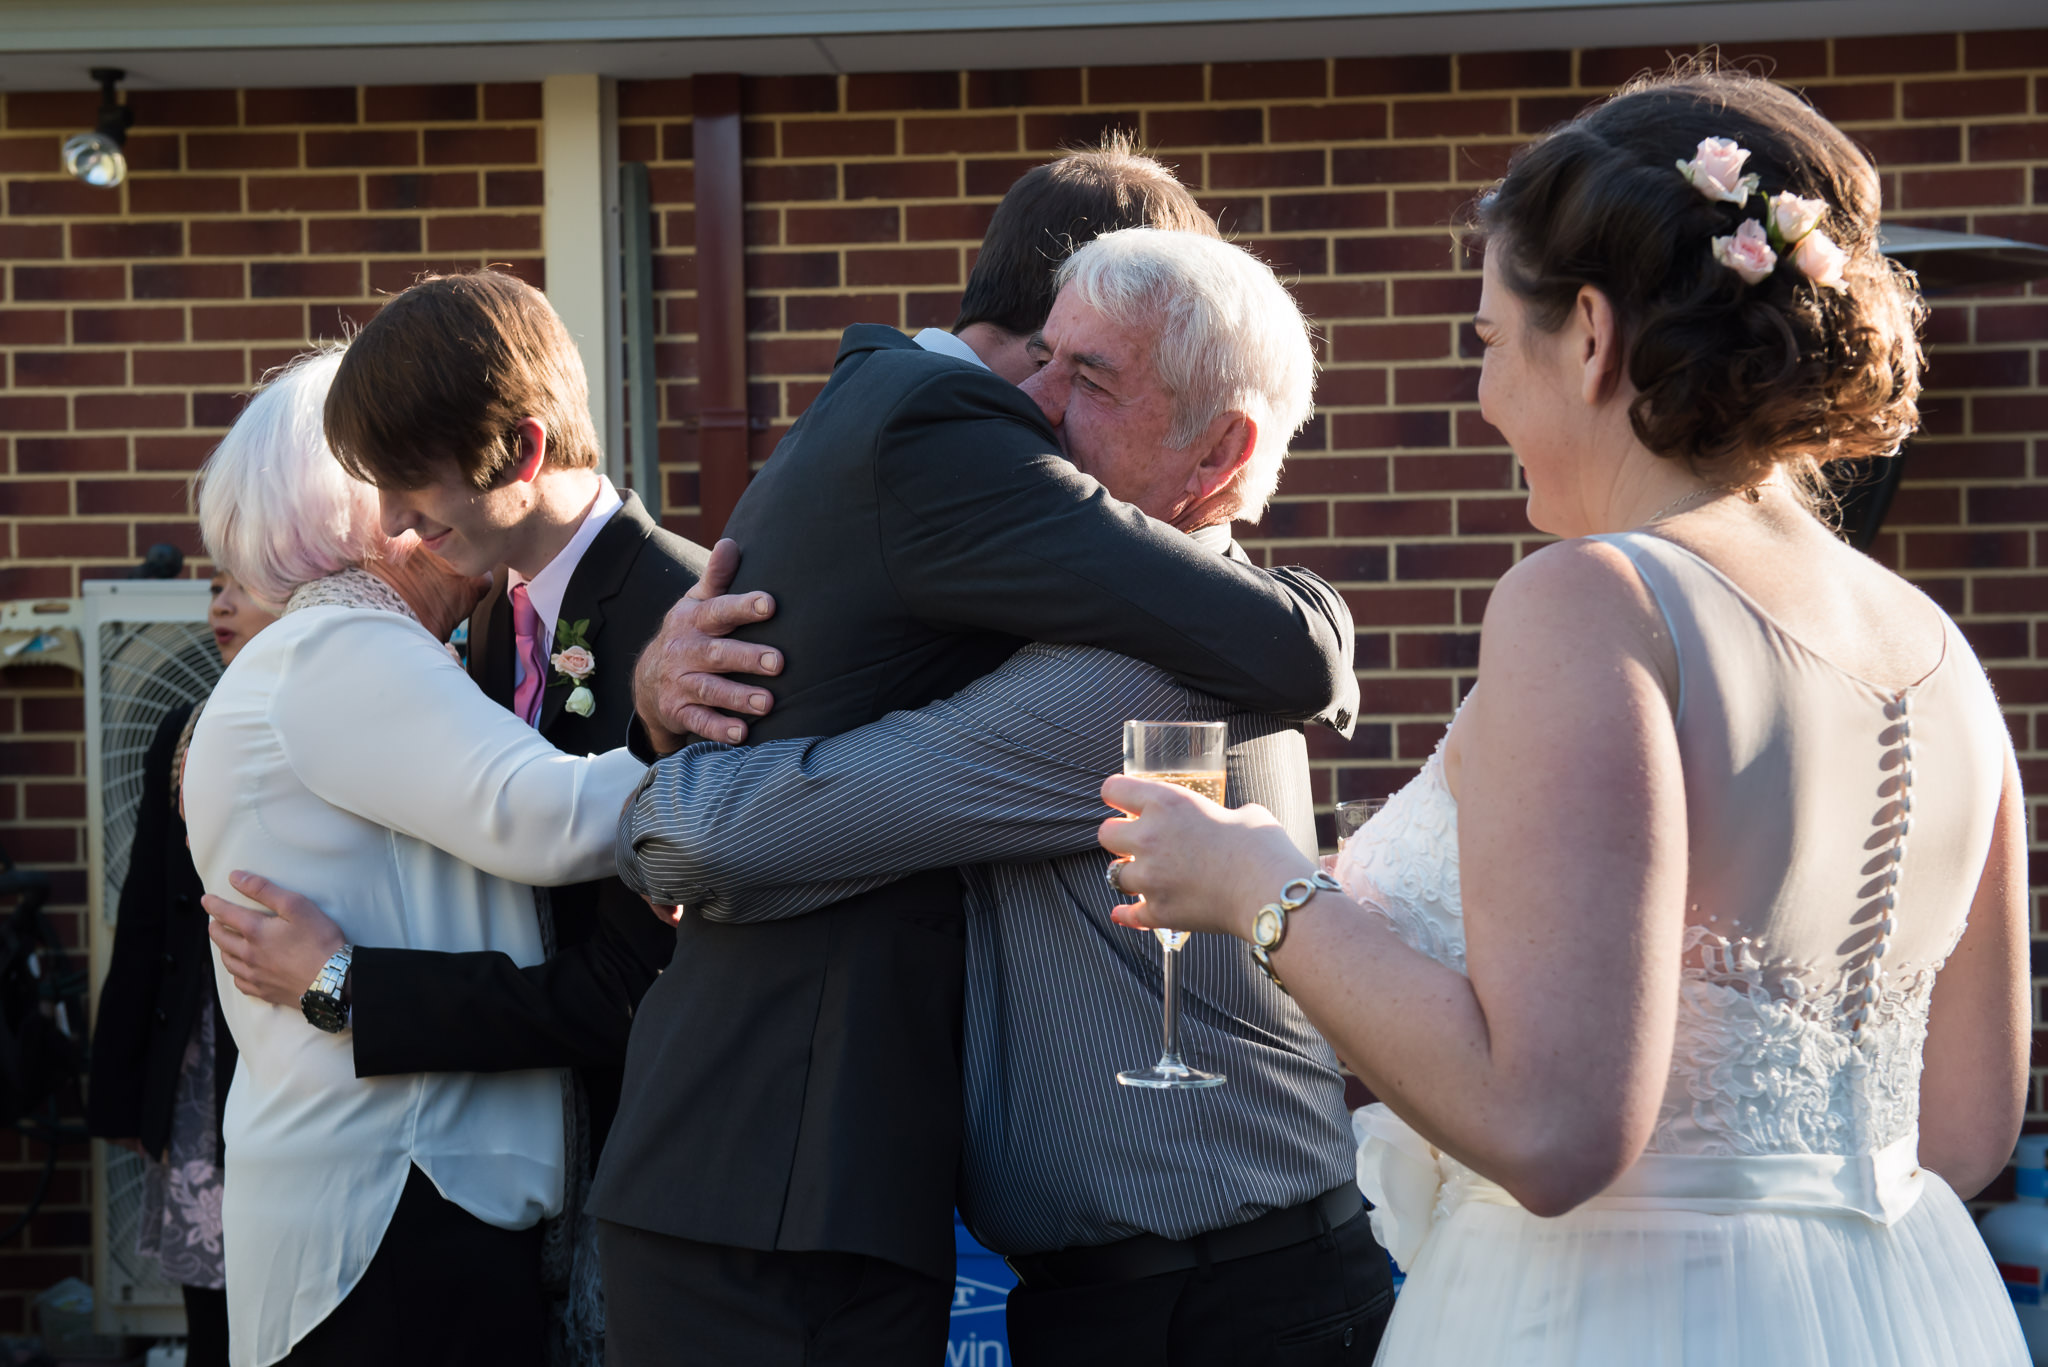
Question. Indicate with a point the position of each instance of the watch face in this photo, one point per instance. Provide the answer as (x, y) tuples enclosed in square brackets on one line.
[(323, 1012), (1266, 927)]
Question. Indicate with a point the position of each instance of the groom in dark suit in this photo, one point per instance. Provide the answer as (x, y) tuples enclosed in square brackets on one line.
[(779, 1185), (464, 400)]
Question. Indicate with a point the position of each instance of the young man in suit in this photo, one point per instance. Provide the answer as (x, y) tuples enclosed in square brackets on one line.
[(780, 1182), (465, 402)]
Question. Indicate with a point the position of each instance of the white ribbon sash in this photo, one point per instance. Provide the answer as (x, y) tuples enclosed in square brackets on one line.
[(1881, 1186), (1413, 1185)]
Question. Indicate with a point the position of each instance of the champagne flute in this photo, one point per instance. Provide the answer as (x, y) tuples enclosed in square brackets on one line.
[(1349, 817), (1190, 754), (1355, 813)]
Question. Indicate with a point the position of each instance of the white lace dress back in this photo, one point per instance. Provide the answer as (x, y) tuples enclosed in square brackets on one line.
[(1837, 834)]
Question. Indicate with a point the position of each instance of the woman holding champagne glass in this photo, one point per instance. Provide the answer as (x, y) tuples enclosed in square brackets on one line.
[(1692, 969)]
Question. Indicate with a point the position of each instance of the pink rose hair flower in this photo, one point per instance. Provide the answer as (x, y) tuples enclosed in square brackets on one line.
[(1716, 171), (1747, 252), (1792, 218), (1820, 260)]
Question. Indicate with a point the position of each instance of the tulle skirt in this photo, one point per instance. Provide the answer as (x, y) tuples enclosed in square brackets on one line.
[(1494, 1286)]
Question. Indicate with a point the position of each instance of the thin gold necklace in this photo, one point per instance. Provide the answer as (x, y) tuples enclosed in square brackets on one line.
[(1675, 504)]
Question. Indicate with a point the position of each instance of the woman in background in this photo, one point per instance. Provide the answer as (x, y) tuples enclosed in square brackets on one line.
[(161, 1061)]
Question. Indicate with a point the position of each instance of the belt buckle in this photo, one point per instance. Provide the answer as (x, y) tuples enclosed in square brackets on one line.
[(1027, 1271)]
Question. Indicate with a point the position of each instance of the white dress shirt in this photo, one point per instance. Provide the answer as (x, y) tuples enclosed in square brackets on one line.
[(946, 344), (346, 756), (547, 589)]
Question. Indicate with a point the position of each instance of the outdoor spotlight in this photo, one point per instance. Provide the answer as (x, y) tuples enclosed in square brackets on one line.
[(96, 157)]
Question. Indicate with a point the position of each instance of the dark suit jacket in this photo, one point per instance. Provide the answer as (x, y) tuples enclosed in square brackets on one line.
[(796, 1084), (418, 1011), (161, 975)]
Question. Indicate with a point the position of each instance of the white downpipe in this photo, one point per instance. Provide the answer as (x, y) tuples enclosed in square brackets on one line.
[(580, 230)]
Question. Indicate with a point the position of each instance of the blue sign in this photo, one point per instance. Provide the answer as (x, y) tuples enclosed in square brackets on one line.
[(981, 1288)]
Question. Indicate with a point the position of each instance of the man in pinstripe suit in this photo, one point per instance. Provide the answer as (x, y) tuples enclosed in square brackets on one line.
[(1186, 1228)]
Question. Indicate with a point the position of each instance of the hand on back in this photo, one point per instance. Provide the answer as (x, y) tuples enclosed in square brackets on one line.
[(680, 688), (273, 955)]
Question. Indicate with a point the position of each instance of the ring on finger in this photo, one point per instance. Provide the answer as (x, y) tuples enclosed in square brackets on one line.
[(1113, 875)]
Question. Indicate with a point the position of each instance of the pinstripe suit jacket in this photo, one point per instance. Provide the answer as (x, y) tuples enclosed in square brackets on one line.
[(1004, 778)]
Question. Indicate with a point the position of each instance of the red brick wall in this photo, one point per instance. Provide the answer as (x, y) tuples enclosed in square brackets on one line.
[(258, 220), (253, 222), (866, 196)]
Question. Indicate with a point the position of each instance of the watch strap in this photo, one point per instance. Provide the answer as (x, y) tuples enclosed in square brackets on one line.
[(321, 1003)]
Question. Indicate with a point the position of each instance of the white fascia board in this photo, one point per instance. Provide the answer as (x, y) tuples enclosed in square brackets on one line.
[(43, 26), (267, 43)]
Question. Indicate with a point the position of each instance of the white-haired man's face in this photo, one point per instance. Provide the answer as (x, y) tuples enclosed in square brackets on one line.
[(1099, 387)]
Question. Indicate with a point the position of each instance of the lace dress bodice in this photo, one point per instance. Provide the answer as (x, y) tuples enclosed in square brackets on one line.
[(1762, 1061), (1813, 935)]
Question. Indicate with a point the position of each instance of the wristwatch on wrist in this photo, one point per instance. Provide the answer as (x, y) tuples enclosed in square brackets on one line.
[(1269, 926), (322, 1002)]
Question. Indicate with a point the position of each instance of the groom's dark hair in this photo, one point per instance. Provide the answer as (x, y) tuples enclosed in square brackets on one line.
[(443, 375), (1058, 207)]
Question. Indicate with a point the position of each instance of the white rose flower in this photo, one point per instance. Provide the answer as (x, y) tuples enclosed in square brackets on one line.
[(582, 701)]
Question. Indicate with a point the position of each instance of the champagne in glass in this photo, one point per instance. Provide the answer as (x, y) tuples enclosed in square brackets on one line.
[(1190, 754)]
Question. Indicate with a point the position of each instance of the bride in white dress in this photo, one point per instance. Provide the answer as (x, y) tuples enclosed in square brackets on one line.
[(1691, 970)]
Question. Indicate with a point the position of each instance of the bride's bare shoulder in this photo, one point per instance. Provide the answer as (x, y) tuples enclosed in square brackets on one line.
[(1566, 616), (1582, 582)]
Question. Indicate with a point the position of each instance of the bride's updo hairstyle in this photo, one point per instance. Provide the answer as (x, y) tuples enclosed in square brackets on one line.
[(1734, 378)]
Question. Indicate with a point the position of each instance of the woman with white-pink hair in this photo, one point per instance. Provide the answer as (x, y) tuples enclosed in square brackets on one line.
[(349, 757)]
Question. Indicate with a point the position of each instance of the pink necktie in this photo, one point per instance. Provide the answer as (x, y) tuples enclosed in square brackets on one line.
[(526, 641)]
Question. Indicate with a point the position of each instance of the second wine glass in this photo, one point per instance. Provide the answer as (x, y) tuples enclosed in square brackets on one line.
[(1192, 755)]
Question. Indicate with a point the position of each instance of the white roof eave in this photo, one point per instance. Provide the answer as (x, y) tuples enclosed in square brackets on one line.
[(47, 44), (39, 25)]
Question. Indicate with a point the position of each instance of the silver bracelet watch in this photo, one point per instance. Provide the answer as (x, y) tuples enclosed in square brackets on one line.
[(1269, 926), (322, 1002)]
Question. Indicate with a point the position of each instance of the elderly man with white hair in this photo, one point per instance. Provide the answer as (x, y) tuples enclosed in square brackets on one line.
[(1190, 1227), (348, 756)]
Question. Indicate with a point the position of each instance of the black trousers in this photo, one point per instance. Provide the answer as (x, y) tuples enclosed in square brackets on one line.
[(1322, 1301), (206, 1326), (670, 1300), (444, 1290)]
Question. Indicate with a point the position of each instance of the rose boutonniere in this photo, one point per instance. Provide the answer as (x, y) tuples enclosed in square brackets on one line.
[(573, 665)]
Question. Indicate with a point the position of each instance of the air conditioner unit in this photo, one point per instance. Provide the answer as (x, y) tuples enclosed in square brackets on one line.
[(147, 649)]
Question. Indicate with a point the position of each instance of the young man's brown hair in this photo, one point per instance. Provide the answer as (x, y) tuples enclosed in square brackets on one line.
[(1064, 204), (443, 375)]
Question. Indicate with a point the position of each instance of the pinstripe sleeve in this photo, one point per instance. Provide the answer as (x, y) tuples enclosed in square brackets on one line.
[(1009, 768)]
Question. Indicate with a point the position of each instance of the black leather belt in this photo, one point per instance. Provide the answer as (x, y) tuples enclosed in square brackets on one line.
[(1149, 1255)]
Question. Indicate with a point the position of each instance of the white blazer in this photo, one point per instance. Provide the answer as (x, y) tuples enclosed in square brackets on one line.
[(346, 756)]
